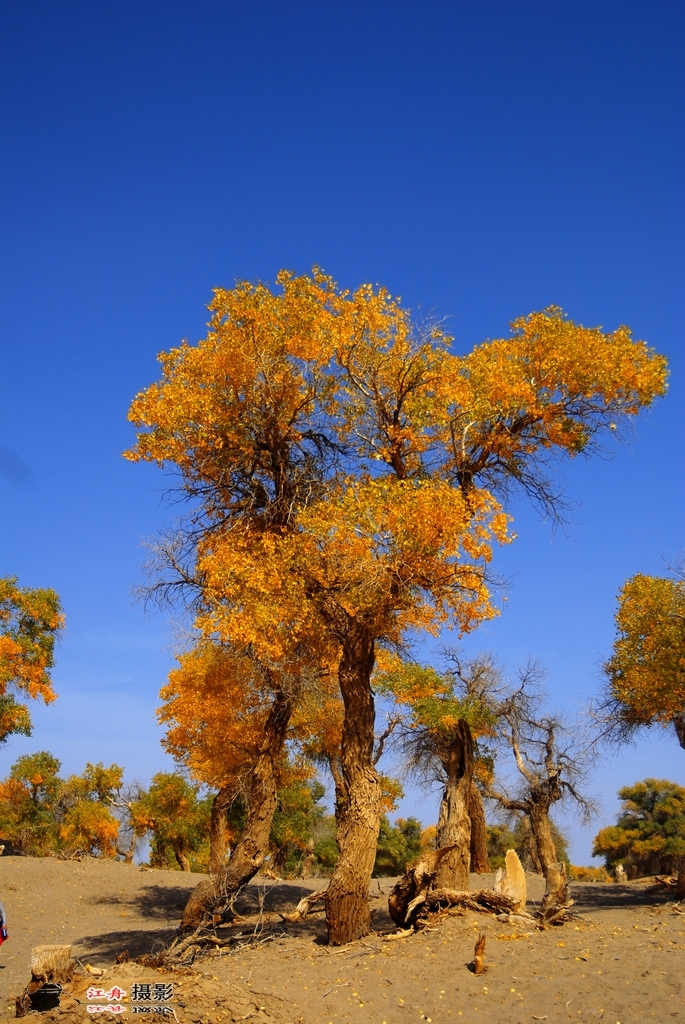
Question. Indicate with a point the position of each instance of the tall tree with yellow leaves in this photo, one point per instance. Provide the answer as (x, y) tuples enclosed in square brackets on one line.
[(344, 466)]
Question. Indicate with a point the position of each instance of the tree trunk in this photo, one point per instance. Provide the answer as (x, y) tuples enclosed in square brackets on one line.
[(679, 726), (680, 886), (129, 854), (308, 862), (556, 886), (181, 858), (358, 796), (218, 828), (279, 858), (248, 856), (454, 823), (480, 863)]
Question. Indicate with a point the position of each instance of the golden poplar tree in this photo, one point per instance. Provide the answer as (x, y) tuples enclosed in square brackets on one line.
[(345, 470)]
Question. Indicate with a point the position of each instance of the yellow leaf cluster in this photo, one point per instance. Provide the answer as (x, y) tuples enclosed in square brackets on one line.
[(647, 669), (29, 623)]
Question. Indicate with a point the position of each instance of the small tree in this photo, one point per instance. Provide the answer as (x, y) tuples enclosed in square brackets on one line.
[(649, 833), (298, 813), (86, 819), (645, 676), (28, 803), (123, 803), (436, 739), (176, 818)]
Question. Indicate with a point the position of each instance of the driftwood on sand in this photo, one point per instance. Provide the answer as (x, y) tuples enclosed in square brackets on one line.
[(414, 895), (304, 906)]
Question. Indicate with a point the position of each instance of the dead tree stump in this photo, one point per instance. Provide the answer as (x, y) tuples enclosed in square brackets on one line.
[(50, 965)]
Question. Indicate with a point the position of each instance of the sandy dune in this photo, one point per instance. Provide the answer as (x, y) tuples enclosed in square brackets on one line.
[(622, 961)]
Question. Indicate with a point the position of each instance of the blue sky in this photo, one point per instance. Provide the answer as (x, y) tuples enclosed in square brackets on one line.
[(481, 160)]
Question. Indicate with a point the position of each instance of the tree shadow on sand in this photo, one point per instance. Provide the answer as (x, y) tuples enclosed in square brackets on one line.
[(157, 902), (616, 897), (106, 947)]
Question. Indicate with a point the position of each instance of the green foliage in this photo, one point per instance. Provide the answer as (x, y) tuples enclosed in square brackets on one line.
[(298, 813), (502, 838), (398, 846), (437, 701), (14, 718), (649, 834), (177, 820), (39, 773), (44, 814), (326, 846)]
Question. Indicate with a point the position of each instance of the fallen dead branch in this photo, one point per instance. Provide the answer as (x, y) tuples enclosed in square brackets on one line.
[(485, 901), (555, 915), (304, 906), (662, 882), (416, 881), (403, 934)]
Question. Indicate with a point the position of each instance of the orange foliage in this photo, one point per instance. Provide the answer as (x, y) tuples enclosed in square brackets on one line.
[(29, 623), (215, 707), (324, 436)]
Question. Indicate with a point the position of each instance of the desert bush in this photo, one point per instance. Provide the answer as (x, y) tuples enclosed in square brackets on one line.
[(582, 874)]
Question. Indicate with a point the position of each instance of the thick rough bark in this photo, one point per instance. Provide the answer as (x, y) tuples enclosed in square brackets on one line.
[(417, 879), (556, 885), (532, 846), (218, 828), (480, 863), (357, 795), (454, 823), (248, 856), (181, 858)]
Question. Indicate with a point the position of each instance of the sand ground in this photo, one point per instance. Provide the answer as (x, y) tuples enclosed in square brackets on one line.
[(622, 961)]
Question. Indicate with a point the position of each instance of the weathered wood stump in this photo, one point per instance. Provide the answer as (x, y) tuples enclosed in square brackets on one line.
[(512, 881), (50, 965)]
